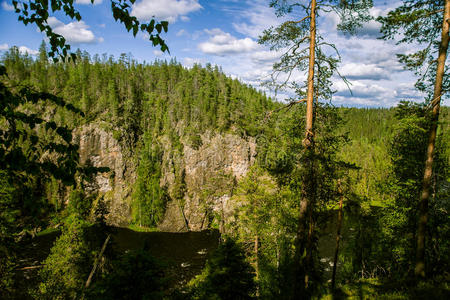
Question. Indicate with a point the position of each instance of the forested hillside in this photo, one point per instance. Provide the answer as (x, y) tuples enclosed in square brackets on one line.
[(190, 146), (145, 107)]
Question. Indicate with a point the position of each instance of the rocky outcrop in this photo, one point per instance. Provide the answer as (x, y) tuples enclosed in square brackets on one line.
[(211, 173), (207, 175), (98, 148)]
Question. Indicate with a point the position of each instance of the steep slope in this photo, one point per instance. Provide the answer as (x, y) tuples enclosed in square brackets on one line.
[(175, 140)]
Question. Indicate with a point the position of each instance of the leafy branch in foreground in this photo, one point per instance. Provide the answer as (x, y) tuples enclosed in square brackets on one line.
[(39, 11)]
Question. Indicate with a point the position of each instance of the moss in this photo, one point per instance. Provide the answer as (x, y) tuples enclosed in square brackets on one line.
[(138, 228)]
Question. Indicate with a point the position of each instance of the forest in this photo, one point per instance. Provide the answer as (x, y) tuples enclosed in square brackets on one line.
[(328, 202)]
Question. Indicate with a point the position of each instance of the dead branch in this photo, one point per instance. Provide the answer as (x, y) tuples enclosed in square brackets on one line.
[(296, 22), (88, 282), (30, 267), (287, 106)]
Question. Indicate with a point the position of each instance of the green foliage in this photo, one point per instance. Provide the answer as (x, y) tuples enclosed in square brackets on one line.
[(79, 204), (369, 132), (407, 153), (36, 153), (149, 197), (396, 181), (271, 192), (8, 209), (293, 35), (144, 106), (156, 111), (22, 150), (134, 275), (38, 11), (418, 22), (227, 275), (266, 219), (67, 267), (8, 218), (72, 257), (256, 193)]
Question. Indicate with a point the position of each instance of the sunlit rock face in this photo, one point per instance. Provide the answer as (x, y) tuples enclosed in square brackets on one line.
[(209, 175), (98, 148)]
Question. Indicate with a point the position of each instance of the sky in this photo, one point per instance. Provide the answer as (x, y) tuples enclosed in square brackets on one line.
[(225, 33)]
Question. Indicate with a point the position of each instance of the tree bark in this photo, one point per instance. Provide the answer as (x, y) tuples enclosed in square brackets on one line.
[(307, 142), (428, 172), (304, 229), (257, 263), (97, 260), (186, 223), (338, 236)]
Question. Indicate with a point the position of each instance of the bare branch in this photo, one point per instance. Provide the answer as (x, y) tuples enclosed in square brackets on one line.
[(30, 268), (296, 22), (287, 107)]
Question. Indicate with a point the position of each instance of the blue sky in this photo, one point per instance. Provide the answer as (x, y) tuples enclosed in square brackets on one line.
[(225, 33)]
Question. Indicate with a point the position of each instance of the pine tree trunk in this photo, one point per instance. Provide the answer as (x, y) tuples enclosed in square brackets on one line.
[(186, 223), (338, 237), (304, 232), (257, 263), (428, 172), (97, 261), (307, 142)]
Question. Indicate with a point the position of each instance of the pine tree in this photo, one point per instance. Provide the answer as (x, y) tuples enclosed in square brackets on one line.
[(410, 18), (305, 54)]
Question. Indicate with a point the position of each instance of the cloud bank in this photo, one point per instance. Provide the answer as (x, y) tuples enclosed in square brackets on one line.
[(169, 10), (74, 32)]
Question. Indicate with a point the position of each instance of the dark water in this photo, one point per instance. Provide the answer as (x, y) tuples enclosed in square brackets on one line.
[(184, 253)]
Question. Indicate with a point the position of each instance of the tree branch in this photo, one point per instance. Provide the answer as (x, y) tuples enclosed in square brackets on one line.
[(296, 22), (287, 106)]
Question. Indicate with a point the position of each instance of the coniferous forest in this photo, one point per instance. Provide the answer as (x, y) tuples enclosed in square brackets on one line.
[(326, 202)]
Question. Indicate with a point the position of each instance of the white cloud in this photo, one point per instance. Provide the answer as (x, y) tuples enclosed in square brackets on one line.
[(189, 61), (377, 78), (222, 43), (23, 50), (363, 71), (370, 29), (361, 89), (96, 2), (182, 32), (157, 52), (168, 10), (74, 32), (6, 6), (256, 19), (265, 56)]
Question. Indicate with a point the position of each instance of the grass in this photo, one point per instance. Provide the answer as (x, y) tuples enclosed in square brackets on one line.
[(391, 290), (138, 228), (47, 231)]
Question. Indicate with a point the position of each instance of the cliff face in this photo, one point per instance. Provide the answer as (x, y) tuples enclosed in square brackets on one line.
[(99, 148), (210, 175), (207, 175)]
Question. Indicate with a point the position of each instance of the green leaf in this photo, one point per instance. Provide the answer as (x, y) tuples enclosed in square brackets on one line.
[(151, 26), (165, 25), (158, 27)]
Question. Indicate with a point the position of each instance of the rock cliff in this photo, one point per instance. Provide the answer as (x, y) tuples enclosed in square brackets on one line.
[(99, 148), (208, 174)]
